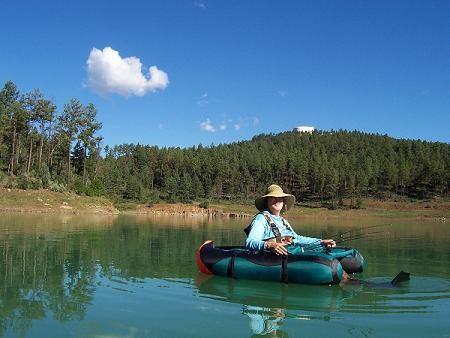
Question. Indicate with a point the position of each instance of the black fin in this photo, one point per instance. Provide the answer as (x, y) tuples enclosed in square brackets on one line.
[(401, 277)]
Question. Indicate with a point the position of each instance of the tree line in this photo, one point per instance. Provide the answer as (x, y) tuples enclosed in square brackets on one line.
[(43, 148)]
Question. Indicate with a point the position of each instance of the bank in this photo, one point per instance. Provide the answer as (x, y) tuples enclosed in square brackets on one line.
[(46, 201)]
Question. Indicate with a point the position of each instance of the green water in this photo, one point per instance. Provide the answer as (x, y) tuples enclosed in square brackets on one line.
[(73, 276)]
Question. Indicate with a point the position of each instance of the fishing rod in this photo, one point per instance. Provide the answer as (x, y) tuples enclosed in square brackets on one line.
[(346, 236), (354, 234), (361, 228), (316, 246), (365, 236)]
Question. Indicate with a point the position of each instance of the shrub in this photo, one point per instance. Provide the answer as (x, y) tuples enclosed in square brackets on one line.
[(43, 175), (56, 186), (28, 182), (358, 203), (332, 205), (76, 184), (95, 188), (204, 205)]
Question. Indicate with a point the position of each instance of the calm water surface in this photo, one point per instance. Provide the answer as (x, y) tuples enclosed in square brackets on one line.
[(73, 276)]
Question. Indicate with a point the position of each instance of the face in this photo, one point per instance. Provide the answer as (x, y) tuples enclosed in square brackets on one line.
[(275, 204)]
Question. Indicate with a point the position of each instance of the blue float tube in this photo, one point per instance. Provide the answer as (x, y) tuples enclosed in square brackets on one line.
[(304, 268)]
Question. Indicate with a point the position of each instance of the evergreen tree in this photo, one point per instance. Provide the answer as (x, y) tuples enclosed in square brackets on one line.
[(49, 150), (69, 126)]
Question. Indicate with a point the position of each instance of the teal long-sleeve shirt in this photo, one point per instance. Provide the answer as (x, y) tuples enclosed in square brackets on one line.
[(260, 231)]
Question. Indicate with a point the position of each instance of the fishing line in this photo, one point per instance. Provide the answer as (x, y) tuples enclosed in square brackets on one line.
[(315, 246), (358, 237), (361, 228)]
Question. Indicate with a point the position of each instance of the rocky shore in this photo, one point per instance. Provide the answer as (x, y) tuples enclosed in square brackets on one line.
[(178, 209)]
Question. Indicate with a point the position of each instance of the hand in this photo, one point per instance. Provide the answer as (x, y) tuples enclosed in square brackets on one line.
[(286, 240), (328, 243), (276, 248)]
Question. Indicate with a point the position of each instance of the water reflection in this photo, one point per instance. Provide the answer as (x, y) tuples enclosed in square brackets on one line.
[(268, 305), (51, 265), (179, 221), (273, 295), (265, 321), (29, 224), (375, 294), (43, 271), (56, 268)]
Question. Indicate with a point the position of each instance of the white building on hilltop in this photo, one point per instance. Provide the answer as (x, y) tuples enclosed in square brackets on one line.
[(304, 129)]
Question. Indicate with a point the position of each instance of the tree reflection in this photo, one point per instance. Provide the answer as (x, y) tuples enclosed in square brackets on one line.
[(52, 269), (41, 277)]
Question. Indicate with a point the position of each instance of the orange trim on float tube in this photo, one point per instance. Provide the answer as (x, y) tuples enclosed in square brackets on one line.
[(201, 266)]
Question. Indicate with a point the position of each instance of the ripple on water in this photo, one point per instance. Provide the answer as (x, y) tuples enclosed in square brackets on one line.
[(419, 295)]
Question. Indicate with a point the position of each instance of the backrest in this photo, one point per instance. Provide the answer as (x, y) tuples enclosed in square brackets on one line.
[(249, 227)]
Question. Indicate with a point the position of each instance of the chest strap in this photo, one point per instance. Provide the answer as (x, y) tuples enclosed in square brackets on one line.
[(273, 226), (275, 229)]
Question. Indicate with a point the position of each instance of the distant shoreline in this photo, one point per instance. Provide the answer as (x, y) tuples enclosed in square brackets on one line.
[(49, 202)]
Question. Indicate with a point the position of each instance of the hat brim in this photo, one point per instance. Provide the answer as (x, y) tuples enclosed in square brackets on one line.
[(261, 205)]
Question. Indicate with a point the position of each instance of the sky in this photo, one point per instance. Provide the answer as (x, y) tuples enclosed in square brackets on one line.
[(183, 73)]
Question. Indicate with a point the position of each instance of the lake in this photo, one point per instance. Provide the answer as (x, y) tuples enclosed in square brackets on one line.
[(135, 276)]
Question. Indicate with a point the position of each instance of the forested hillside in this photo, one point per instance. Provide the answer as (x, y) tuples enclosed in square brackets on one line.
[(43, 147)]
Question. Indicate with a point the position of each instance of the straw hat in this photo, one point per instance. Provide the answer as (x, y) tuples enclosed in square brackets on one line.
[(274, 191)]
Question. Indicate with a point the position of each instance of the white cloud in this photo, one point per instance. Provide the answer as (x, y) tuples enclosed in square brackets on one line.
[(282, 93), (108, 72), (246, 122), (211, 127), (203, 100), (208, 126), (200, 4)]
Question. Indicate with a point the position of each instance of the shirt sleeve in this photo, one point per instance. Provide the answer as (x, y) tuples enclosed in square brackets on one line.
[(304, 240), (257, 230)]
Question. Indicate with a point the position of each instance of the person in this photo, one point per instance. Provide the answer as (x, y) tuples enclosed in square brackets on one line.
[(270, 231)]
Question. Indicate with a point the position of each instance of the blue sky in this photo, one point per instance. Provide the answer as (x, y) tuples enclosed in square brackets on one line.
[(224, 71)]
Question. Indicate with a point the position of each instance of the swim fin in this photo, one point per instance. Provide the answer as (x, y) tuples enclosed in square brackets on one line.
[(402, 276)]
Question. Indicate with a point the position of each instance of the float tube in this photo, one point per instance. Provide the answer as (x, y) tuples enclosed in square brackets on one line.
[(305, 268)]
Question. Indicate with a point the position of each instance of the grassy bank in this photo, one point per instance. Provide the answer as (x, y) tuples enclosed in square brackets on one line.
[(45, 201), (435, 210), (16, 200)]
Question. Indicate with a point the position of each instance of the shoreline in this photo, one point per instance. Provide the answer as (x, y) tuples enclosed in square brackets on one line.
[(49, 202)]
